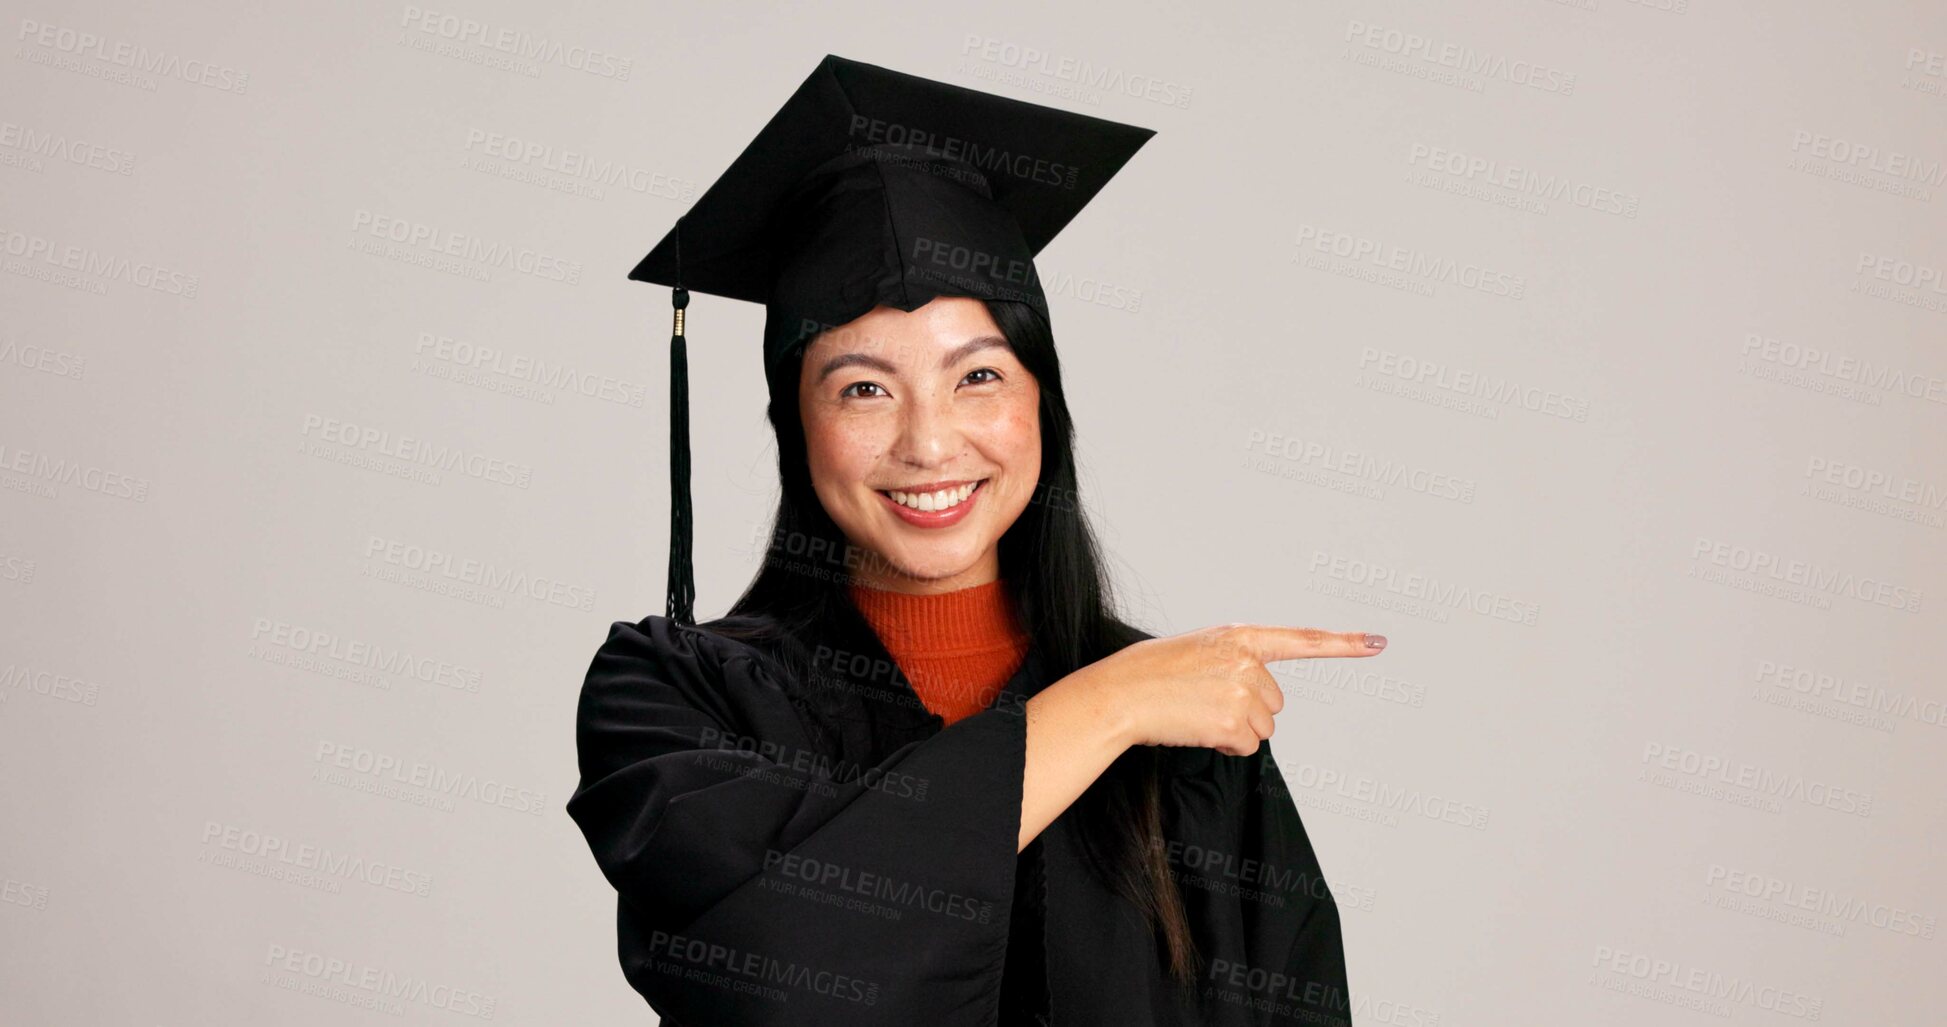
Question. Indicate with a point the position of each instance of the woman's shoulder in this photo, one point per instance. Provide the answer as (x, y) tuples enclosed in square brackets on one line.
[(745, 636), (676, 652), (657, 670)]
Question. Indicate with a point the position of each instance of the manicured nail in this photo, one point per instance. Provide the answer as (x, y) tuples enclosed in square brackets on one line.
[(1375, 641)]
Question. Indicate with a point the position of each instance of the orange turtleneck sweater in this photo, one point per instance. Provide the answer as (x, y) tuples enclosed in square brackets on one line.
[(957, 648)]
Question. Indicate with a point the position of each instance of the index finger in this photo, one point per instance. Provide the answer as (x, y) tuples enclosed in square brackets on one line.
[(1272, 642)]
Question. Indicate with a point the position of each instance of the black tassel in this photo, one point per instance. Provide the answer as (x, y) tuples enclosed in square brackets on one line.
[(681, 600)]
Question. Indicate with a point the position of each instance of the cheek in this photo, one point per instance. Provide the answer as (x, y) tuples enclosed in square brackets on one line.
[(839, 453), (1017, 440)]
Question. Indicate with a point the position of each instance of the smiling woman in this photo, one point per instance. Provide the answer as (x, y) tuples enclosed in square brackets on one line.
[(921, 772), (916, 422)]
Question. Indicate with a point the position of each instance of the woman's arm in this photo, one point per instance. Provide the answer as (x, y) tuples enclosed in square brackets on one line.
[(763, 885), (1203, 688), (1076, 729)]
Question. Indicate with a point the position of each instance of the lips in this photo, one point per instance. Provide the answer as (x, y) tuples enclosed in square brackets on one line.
[(933, 504)]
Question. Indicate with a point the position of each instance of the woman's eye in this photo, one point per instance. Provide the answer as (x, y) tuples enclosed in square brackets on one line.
[(847, 390), (985, 370)]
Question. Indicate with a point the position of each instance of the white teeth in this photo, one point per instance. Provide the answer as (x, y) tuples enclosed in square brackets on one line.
[(930, 502)]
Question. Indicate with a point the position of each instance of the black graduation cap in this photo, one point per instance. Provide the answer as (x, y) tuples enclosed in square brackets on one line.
[(873, 187)]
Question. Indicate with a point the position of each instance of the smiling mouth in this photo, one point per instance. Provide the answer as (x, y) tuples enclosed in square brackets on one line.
[(934, 500)]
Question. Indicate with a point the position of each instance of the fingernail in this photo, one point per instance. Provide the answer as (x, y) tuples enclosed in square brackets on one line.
[(1375, 641)]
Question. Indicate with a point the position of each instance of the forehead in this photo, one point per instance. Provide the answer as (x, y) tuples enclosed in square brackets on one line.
[(893, 334)]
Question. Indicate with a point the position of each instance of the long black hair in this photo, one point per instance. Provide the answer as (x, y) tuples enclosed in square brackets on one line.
[(1050, 564)]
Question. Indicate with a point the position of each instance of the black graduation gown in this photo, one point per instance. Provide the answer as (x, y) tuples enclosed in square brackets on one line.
[(829, 852)]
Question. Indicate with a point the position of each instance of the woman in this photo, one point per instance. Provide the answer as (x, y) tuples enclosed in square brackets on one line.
[(921, 773)]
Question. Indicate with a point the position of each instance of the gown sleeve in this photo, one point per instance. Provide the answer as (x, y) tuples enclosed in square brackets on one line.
[(759, 882), (1293, 963)]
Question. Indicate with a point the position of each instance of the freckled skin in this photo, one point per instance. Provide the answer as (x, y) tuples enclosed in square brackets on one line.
[(869, 428)]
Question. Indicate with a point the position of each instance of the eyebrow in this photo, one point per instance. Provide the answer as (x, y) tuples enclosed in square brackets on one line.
[(953, 356)]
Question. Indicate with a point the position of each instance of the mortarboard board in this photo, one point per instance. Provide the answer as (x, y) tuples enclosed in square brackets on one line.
[(872, 187)]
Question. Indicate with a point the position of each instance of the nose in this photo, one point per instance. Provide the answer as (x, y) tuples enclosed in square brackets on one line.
[(929, 434)]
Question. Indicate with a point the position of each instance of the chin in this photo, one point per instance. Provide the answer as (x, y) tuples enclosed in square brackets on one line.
[(931, 566)]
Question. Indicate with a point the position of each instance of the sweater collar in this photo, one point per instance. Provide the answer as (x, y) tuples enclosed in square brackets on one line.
[(977, 618)]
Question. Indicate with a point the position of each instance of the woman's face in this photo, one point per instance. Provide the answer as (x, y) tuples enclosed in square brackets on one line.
[(903, 413)]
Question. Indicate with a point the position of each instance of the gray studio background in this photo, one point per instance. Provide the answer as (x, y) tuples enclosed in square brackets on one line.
[(1592, 352)]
